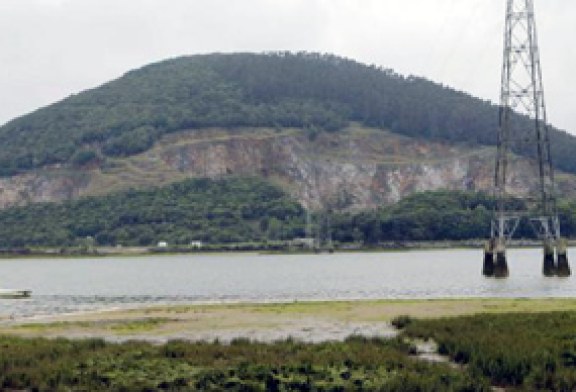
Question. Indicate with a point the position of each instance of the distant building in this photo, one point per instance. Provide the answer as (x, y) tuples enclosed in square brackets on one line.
[(196, 244), (303, 242)]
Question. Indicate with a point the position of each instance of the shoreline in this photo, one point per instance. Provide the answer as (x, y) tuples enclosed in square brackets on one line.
[(107, 252), (312, 321)]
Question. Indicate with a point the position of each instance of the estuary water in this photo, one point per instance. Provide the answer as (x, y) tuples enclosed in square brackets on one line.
[(87, 284)]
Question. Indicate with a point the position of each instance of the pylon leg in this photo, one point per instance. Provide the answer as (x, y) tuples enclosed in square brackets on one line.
[(562, 267), (488, 268), (549, 268), (501, 265)]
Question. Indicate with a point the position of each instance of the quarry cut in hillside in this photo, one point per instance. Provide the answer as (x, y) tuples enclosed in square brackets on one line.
[(355, 169)]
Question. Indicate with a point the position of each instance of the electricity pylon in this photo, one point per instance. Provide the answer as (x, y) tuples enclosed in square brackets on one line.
[(523, 127)]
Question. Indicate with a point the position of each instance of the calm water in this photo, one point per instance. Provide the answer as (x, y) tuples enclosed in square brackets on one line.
[(72, 285)]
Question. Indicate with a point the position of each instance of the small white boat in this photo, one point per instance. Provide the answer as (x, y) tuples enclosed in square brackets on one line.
[(14, 294)]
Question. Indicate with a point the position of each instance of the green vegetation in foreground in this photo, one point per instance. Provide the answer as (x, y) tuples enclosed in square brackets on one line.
[(529, 352), (519, 351), (236, 213), (93, 365), (300, 90)]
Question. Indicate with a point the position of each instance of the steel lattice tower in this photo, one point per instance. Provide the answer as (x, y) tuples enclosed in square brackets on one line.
[(523, 128)]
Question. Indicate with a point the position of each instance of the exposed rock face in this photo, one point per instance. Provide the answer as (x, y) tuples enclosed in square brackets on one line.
[(41, 186), (352, 170)]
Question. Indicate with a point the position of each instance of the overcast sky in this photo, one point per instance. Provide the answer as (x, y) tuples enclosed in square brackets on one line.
[(50, 49)]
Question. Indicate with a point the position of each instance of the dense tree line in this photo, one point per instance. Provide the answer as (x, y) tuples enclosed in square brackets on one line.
[(433, 216), (241, 210), (128, 115), (213, 211)]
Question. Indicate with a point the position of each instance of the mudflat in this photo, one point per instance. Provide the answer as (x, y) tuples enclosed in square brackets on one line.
[(306, 321)]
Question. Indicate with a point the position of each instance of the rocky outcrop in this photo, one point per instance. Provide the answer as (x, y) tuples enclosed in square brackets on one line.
[(42, 186), (355, 169)]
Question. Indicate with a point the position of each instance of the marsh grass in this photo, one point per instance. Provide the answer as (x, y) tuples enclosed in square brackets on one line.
[(534, 351), (93, 365)]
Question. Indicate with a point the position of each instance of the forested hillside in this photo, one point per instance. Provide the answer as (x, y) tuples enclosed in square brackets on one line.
[(128, 115), (236, 210)]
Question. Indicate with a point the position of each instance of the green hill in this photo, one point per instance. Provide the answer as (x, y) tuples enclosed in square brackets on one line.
[(128, 115)]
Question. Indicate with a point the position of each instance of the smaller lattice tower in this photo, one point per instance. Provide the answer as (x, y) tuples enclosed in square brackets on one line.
[(523, 129)]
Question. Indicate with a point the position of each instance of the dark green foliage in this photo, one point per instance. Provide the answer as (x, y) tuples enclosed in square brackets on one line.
[(438, 216), (213, 211), (531, 351), (356, 364), (431, 216), (84, 156), (128, 115), (251, 212), (567, 214), (130, 143), (401, 322)]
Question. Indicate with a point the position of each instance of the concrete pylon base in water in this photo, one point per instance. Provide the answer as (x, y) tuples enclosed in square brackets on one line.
[(501, 265), (562, 266), (549, 268), (488, 268)]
